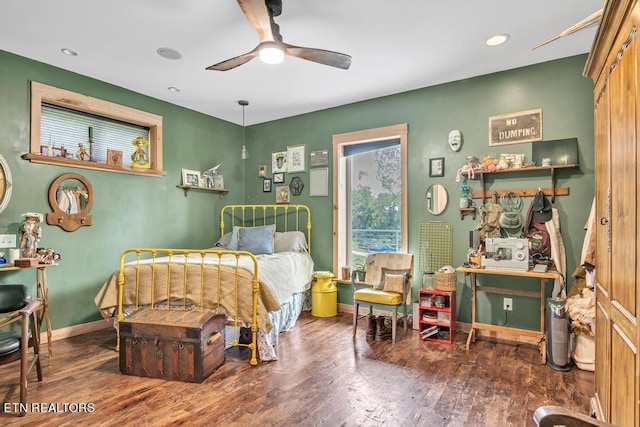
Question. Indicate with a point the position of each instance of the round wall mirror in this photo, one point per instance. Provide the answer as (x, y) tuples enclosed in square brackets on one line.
[(5, 183), (71, 198), (436, 199)]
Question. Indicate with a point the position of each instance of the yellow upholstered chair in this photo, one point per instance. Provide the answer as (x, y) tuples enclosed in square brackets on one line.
[(16, 306), (388, 282)]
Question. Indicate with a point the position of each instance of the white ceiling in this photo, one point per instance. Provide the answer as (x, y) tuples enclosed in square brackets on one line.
[(396, 46)]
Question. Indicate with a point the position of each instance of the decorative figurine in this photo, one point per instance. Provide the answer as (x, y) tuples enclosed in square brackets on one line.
[(82, 153), (140, 158), (3, 260), (30, 234)]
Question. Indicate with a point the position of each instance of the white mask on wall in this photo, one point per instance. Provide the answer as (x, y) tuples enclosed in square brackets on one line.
[(455, 140)]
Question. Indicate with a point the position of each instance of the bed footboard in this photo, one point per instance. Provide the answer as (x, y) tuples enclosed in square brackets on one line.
[(219, 281)]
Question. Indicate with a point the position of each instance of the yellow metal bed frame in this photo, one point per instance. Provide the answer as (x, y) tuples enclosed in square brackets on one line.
[(285, 217)]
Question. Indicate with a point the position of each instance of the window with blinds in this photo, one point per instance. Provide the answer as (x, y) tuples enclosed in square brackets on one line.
[(76, 135), (64, 122)]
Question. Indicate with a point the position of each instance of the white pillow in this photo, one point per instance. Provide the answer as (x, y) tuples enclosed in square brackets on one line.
[(294, 241)]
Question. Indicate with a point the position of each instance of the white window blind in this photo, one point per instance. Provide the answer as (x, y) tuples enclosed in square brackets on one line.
[(65, 128)]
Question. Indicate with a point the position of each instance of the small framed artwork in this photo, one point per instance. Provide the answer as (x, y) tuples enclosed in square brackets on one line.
[(266, 185), (320, 158), (190, 177), (436, 166), (296, 158), (218, 181), (114, 157), (319, 182), (278, 178), (262, 171), (296, 185), (279, 162), (282, 194)]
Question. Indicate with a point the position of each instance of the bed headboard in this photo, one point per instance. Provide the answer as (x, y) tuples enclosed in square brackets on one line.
[(285, 217)]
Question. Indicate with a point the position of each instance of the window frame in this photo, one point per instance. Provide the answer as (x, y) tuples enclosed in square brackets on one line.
[(44, 94), (340, 141)]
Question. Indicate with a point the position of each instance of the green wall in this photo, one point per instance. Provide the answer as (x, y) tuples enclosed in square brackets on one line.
[(143, 211), (129, 210), (566, 98)]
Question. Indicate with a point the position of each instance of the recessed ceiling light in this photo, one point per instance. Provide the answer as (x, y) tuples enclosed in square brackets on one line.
[(497, 40), (168, 53), (69, 52), (173, 89)]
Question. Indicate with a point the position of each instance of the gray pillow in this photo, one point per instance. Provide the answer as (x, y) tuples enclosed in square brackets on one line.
[(290, 241), (257, 240)]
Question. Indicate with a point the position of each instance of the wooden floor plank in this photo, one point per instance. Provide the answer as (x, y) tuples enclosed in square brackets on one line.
[(322, 377)]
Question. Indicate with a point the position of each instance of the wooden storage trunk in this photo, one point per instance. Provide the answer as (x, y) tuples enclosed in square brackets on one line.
[(172, 344)]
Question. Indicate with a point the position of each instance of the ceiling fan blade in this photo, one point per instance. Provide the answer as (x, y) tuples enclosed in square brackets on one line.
[(325, 57), (587, 22), (234, 62), (258, 16)]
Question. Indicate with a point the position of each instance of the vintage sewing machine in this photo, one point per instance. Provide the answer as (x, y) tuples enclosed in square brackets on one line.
[(506, 254)]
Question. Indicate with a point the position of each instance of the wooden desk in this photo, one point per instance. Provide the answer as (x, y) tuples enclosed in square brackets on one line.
[(539, 335), (42, 291)]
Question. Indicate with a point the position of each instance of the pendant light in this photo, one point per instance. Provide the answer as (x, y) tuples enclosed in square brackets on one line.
[(245, 153)]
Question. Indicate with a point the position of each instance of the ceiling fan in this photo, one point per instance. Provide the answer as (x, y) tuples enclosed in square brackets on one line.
[(593, 19), (271, 48)]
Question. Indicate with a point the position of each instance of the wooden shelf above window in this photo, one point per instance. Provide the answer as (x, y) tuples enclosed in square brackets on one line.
[(61, 161), (186, 188)]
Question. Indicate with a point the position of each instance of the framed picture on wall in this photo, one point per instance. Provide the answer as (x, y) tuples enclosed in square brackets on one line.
[(278, 178), (266, 185), (296, 158), (436, 166)]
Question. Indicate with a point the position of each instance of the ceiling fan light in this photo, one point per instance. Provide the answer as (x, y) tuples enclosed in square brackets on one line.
[(270, 53), (497, 40)]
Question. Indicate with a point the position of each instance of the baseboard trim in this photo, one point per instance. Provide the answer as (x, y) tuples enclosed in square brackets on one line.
[(72, 331)]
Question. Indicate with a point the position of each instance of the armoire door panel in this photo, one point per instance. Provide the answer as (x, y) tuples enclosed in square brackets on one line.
[(602, 184), (622, 88), (603, 356), (623, 385)]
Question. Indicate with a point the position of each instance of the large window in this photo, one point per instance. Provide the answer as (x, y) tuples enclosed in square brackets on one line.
[(370, 181)]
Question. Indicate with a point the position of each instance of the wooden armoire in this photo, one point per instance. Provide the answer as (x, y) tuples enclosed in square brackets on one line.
[(614, 66)]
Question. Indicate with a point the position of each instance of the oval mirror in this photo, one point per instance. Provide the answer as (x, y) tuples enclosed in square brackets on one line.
[(5, 183), (436, 199), (71, 198)]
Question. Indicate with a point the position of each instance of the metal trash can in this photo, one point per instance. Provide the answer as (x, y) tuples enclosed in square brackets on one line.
[(324, 295)]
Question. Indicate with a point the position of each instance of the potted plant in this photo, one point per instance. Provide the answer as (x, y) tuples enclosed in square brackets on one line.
[(359, 268)]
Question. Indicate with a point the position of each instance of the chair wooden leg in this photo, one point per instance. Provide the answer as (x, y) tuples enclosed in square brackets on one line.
[(355, 318), (394, 321), (24, 364), (35, 339), (406, 318)]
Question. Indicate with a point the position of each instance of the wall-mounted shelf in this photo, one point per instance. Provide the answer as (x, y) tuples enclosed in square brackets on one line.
[(468, 211), (186, 188), (84, 164), (552, 191)]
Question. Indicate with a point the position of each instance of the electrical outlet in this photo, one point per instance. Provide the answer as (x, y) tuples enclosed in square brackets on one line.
[(507, 304), (7, 240)]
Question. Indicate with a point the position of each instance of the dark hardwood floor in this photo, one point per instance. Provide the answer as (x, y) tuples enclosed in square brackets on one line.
[(322, 377)]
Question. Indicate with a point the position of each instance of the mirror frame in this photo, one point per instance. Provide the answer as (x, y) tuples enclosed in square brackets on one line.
[(6, 183), (426, 200), (65, 220)]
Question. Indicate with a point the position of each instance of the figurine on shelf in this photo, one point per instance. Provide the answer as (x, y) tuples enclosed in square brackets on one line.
[(140, 158), (82, 153), (3, 260), (30, 234)]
